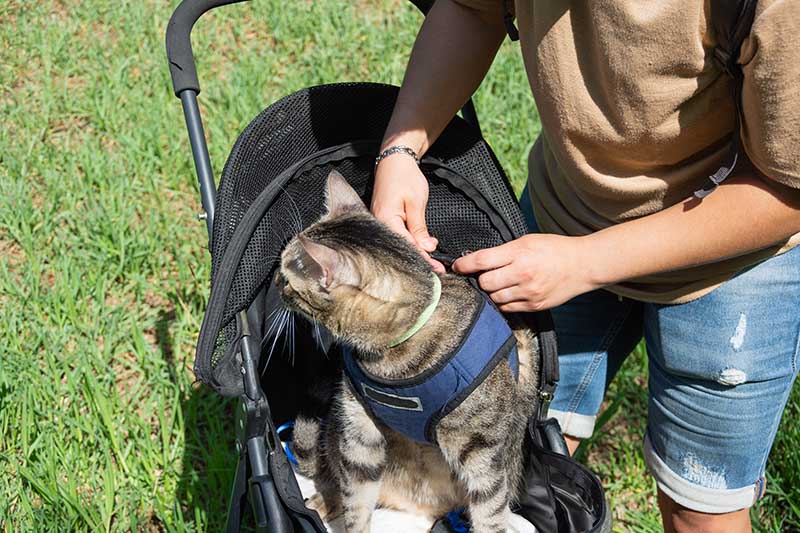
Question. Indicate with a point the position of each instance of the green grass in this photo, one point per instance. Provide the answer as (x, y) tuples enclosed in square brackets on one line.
[(103, 268)]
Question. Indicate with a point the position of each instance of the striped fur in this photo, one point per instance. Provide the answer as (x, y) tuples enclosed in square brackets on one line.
[(367, 286)]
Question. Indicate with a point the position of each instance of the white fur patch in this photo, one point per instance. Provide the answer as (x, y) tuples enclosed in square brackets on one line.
[(389, 521)]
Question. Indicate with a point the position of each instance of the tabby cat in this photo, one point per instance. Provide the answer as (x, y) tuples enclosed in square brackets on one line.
[(368, 286)]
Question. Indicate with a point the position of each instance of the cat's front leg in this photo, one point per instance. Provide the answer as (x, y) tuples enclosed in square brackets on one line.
[(362, 450), (479, 462), (478, 441)]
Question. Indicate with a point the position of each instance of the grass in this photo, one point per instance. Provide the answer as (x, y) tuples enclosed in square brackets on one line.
[(104, 269)]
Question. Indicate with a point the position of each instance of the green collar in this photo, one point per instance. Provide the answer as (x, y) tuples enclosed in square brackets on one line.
[(425, 315)]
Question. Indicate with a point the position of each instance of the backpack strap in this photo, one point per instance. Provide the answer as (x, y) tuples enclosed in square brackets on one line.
[(508, 20), (731, 21)]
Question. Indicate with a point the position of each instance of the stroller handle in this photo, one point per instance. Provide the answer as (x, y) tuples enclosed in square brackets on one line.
[(186, 86), (179, 44)]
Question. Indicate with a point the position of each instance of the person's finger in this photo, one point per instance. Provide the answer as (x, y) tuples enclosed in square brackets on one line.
[(487, 259), (434, 242), (519, 306), (428, 243), (500, 278), (398, 225), (415, 221), (437, 266), (507, 295)]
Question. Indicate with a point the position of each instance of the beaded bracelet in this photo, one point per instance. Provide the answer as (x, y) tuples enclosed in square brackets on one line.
[(397, 149)]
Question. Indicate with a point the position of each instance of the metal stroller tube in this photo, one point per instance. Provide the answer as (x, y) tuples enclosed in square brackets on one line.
[(186, 86), (257, 442), (202, 162), (251, 441), (179, 44)]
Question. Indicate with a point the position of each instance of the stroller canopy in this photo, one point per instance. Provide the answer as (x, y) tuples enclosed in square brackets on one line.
[(272, 187)]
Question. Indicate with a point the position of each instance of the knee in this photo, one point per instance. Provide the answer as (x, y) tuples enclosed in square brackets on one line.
[(680, 519)]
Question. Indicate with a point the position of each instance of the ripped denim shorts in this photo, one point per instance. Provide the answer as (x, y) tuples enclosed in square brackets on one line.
[(721, 369)]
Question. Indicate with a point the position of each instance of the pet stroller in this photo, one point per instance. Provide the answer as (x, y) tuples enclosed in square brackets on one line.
[(270, 189)]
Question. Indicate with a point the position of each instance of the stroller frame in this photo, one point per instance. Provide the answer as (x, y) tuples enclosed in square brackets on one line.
[(256, 438), (559, 495)]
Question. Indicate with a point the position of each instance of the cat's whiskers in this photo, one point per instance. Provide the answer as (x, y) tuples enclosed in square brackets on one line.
[(274, 257), (281, 325), (298, 219), (287, 326), (274, 322), (292, 329), (318, 335), (290, 335)]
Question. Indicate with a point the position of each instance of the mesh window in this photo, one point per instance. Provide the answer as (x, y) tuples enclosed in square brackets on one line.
[(272, 187)]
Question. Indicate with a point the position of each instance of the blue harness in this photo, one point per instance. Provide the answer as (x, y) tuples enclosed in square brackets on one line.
[(414, 406)]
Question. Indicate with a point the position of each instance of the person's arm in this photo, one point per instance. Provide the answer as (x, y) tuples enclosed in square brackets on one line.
[(451, 55), (757, 208), (536, 272)]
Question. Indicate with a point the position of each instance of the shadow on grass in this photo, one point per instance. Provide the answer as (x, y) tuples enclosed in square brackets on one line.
[(209, 458)]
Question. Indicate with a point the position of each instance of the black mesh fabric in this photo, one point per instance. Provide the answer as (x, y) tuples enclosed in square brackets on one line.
[(272, 187)]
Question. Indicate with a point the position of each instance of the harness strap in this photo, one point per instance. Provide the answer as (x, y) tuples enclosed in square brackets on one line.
[(414, 406), (508, 20)]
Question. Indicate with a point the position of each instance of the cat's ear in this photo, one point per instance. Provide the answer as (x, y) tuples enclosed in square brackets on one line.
[(340, 196), (326, 265)]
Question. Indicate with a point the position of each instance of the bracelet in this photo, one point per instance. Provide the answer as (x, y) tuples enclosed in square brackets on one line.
[(397, 149)]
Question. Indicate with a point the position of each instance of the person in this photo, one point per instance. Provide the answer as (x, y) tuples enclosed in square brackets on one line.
[(635, 117)]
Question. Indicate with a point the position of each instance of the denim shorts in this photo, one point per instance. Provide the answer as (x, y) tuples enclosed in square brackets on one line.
[(721, 369)]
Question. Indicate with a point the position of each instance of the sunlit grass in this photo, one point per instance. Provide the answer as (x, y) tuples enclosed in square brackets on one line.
[(104, 269)]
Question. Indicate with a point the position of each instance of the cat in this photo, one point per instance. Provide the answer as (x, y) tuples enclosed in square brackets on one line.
[(367, 286)]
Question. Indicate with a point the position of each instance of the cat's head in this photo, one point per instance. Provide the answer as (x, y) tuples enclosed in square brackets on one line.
[(351, 273)]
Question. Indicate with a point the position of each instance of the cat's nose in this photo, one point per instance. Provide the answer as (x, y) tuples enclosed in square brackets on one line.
[(279, 280)]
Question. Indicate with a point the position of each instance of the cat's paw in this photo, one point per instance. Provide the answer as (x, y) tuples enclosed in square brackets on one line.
[(327, 512)]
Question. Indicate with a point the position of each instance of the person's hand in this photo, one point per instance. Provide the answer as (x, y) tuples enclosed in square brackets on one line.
[(399, 200), (532, 273)]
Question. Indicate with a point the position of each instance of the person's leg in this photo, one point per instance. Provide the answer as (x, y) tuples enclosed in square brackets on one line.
[(596, 332), (677, 518), (721, 371)]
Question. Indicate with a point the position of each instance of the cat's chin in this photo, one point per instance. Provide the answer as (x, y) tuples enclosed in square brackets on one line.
[(293, 305), (292, 302), (290, 306)]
